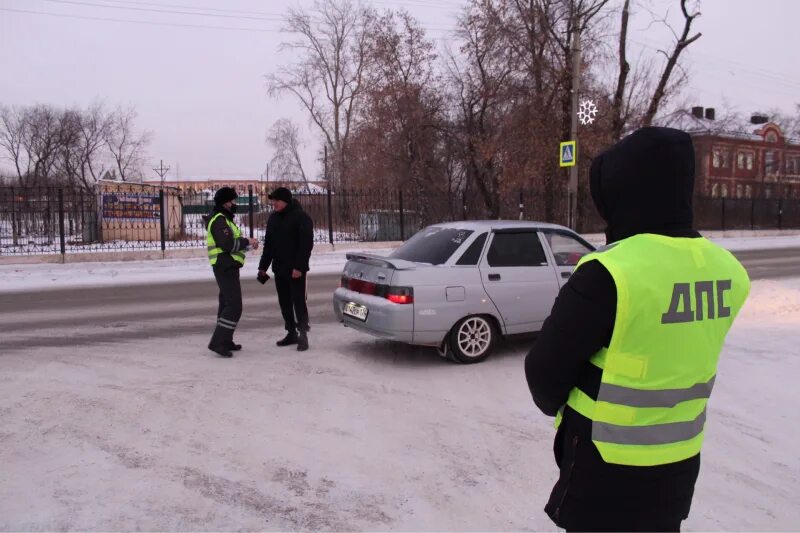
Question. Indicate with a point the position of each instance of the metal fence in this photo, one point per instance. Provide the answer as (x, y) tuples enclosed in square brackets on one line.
[(62, 220)]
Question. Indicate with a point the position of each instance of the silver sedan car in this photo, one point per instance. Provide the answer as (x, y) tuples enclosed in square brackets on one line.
[(459, 286)]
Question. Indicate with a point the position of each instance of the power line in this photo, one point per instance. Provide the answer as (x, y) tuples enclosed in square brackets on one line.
[(743, 72), (433, 5), (439, 4), (710, 57), (145, 22), (175, 24), (183, 6), (168, 11)]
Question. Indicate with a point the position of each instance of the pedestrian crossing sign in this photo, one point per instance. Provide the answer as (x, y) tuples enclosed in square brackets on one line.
[(567, 154)]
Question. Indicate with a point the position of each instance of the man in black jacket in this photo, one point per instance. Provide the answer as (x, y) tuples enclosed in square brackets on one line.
[(226, 249), (641, 185), (287, 246)]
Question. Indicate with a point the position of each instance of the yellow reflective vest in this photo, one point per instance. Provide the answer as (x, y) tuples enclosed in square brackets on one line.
[(214, 250), (676, 300)]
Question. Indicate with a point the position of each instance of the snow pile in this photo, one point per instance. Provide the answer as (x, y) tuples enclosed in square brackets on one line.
[(772, 302), (738, 244)]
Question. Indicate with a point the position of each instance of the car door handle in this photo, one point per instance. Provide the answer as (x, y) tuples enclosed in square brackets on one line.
[(494, 277), (566, 274)]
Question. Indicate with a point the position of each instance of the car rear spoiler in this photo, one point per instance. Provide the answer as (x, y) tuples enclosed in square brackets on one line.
[(383, 262)]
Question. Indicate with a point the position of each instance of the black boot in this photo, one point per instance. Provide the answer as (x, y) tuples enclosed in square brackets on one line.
[(302, 341), (288, 340), (234, 347), (224, 352)]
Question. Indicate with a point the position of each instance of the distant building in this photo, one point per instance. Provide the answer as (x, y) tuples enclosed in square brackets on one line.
[(751, 160)]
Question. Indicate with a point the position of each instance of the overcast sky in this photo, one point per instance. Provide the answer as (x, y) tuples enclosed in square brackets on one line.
[(198, 81)]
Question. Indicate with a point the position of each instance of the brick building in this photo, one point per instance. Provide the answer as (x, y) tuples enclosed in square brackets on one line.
[(753, 160)]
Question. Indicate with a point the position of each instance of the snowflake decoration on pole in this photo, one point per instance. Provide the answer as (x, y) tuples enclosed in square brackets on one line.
[(587, 112)]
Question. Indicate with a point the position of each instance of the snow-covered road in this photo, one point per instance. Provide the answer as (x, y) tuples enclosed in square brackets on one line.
[(105, 427)]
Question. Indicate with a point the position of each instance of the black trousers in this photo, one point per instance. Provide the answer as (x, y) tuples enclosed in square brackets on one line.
[(592, 495), (230, 306), (292, 298)]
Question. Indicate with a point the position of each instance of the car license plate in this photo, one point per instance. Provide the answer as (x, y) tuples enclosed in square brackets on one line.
[(355, 310)]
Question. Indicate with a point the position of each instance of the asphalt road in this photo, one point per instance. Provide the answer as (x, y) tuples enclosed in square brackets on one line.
[(96, 316)]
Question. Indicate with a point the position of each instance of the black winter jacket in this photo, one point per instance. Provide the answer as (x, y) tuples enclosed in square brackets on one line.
[(223, 236), (288, 240), (637, 188)]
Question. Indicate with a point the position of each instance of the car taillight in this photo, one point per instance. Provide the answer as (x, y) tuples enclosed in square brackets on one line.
[(400, 295)]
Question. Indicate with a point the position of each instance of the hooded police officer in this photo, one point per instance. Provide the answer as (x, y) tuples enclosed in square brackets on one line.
[(627, 358), (226, 252), (288, 241)]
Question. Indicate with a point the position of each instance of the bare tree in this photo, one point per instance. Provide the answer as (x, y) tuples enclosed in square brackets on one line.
[(618, 118), (50, 146), (41, 142), (126, 146), (13, 131), (284, 137), (328, 80), (95, 127), (482, 92), (542, 33), (789, 124), (401, 124), (672, 60), (69, 159)]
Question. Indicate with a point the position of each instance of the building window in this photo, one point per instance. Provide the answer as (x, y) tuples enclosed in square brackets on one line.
[(714, 190), (748, 191), (721, 158), (792, 165), (744, 160), (771, 137), (771, 162), (724, 192), (739, 191), (768, 193)]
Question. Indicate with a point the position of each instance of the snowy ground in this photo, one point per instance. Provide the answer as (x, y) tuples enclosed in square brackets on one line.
[(48, 275), (196, 239), (25, 277), (356, 434)]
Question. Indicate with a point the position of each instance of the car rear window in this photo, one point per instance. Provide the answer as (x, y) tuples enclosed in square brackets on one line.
[(432, 245)]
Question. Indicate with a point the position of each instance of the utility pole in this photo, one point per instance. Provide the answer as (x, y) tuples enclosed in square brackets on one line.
[(161, 171), (572, 187)]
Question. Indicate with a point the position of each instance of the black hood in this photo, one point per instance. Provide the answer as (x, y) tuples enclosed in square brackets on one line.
[(644, 184)]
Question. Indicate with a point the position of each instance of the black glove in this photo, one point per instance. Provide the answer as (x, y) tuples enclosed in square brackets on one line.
[(262, 277)]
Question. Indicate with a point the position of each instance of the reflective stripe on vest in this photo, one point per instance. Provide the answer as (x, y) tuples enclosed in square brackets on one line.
[(676, 300), (214, 250)]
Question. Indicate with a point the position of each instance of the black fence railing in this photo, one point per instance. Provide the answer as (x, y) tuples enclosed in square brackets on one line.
[(130, 217)]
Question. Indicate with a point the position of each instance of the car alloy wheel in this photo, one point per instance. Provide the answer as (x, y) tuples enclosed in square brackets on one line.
[(471, 339)]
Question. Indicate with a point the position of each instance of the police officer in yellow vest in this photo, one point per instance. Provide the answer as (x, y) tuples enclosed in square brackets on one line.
[(627, 359), (226, 251)]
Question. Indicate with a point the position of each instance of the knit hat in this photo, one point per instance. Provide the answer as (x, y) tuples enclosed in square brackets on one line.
[(224, 195), (281, 193)]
